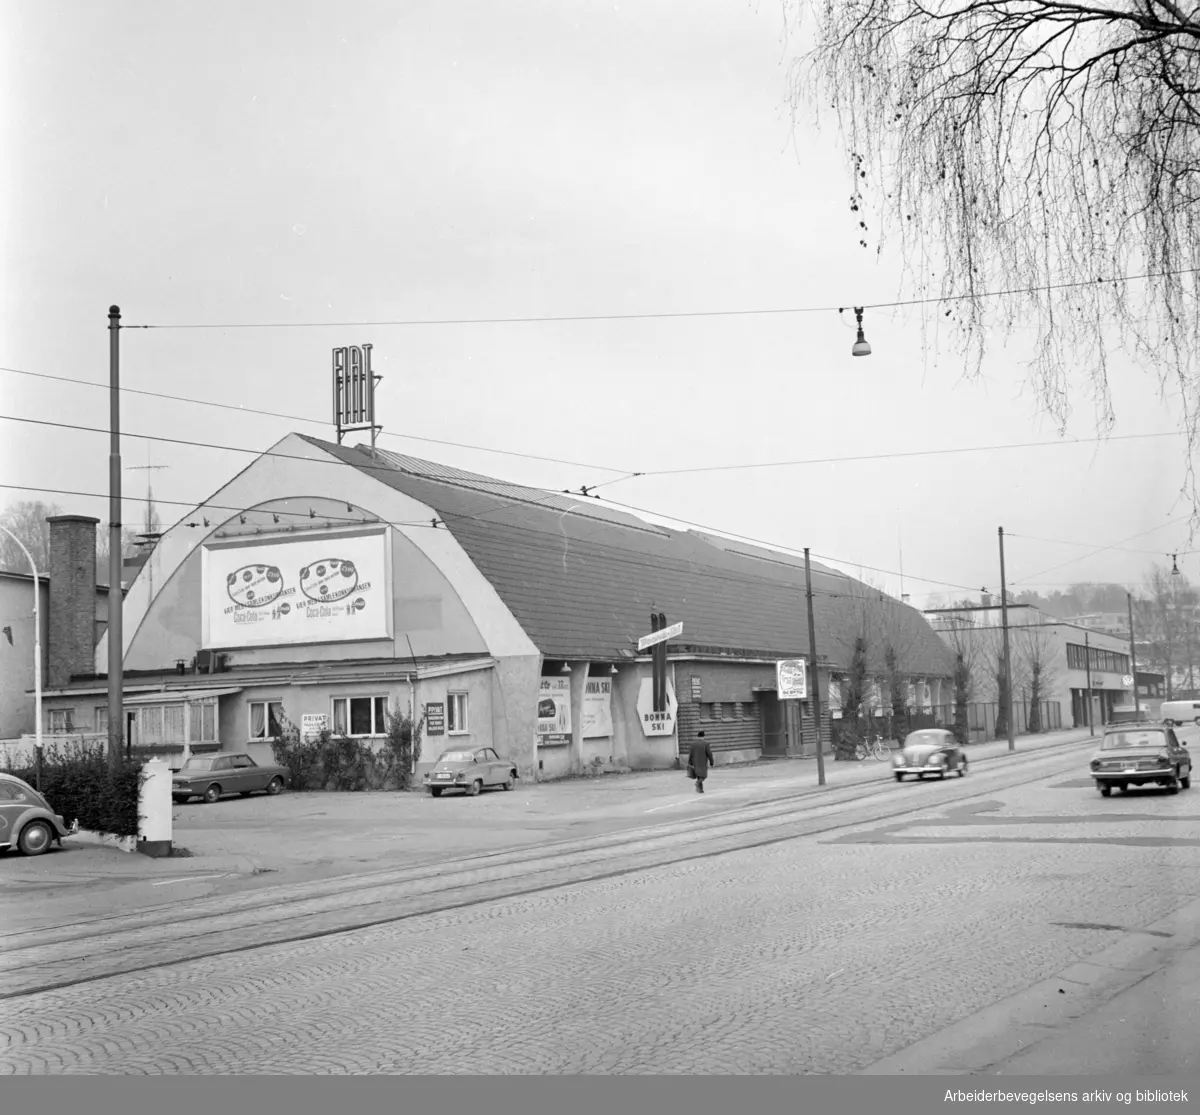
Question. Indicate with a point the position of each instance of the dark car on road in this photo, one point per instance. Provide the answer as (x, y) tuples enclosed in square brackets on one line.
[(1139, 756), (212, 776), (470, 770), (929, 751), (27, 822)]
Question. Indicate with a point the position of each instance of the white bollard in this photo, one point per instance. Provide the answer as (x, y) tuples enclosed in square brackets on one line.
[(154, 808)]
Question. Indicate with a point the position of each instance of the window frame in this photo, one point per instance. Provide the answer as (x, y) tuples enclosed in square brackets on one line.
[(266, 737), (453, 699), (69, 720), (373, 699)]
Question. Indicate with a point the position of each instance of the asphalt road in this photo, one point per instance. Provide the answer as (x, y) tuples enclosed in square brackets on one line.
[(910, 922)]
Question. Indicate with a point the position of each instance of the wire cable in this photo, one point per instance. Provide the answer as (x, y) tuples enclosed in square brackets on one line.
[(1103, 549), (411, 322)]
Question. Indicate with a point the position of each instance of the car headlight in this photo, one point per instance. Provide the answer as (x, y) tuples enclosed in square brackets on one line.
[(936, 760), (1096, 764)]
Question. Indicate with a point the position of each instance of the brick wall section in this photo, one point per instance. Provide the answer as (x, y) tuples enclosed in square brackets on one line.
[(72, 619)]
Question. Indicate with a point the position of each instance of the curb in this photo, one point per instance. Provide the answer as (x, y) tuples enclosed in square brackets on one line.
[(1019, 1023)]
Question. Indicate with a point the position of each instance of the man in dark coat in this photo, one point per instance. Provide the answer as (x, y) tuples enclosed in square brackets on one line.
[(700, 758)]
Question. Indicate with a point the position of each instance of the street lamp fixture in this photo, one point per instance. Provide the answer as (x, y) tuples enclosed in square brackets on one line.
[(861, 348), (1175, 565)]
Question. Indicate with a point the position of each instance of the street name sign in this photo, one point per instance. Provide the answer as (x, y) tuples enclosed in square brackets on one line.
[(660, 636)]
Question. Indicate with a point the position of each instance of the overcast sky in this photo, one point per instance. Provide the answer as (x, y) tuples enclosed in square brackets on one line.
[(370, 161)]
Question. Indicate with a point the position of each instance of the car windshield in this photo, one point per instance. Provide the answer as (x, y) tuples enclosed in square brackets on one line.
[(198, 764), (923, 739), (1116, 741), (457, 757)]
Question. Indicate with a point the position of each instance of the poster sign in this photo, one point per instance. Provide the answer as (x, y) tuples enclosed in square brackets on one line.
[(656, 723), (791, 679), (312, 725), (697, 688), (834, 700), (554, 712), (322, 588), (435, 718), (597, 708)]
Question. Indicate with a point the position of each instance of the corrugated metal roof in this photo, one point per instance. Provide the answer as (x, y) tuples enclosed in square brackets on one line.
[(583, 584)]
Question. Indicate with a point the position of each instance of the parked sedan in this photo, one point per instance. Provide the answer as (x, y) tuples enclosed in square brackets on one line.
[(471, 771), (212, 776), (27, 822), (1136, 756), (929, 751)]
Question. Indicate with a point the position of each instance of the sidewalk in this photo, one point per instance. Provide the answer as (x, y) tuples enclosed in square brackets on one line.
[(314, 835)]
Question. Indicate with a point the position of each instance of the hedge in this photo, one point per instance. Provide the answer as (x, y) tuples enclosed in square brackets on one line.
[(80, 785), (339, 763)]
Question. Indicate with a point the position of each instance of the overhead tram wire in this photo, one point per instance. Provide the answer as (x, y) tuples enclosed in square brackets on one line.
[(668, 315), (548, 494)]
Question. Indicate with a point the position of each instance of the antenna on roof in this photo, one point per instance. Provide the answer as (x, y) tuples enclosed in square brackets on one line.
[(354, 391)]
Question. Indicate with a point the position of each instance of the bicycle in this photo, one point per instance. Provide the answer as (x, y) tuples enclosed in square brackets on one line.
[(871, 747)]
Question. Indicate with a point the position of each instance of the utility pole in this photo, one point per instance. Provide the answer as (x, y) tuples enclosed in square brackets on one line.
[(1137, 703), (1012, 743), (812, 661), (1087, 656), (116, 718)]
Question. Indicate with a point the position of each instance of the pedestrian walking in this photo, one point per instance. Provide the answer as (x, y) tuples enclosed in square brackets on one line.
[(700, 758)]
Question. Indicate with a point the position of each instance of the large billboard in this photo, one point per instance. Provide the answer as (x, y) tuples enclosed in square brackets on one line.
[(333, 587)]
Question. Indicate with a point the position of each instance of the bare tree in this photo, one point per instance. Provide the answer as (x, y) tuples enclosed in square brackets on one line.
[(962, 640), (1048, 150), (1034, 670), (1165, 618), (129, 547), (27, 520)]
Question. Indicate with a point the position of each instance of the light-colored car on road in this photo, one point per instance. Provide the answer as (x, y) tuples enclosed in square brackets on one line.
[(471, 770), (929, 751), (1137, 756), (27, 822), (1172, 713), (211, 777)]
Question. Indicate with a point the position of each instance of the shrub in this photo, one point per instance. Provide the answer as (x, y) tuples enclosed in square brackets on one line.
[(339, 763), (81, 785)]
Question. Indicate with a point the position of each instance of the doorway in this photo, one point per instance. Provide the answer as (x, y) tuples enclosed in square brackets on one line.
[(774, 725)]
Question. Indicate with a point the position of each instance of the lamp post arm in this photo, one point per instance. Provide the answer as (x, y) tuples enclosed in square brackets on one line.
[(37, 646)]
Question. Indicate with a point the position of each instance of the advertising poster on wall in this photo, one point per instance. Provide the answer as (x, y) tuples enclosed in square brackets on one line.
[(597, 708), (435, 718), (791, 679), (554, 712), (328, 588), (834, 698), (657, 723)]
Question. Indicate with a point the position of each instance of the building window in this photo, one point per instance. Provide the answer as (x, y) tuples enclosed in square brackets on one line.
[(360, 716), (266, 719), (456, 714), (706, 710), (62, 720), (150, 723), (101, 718), (728, 710), (203, 728)]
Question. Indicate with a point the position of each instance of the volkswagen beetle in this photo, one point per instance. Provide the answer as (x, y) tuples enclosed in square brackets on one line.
[(929, 751), (471, 770), (27, 822), (1134, 756)]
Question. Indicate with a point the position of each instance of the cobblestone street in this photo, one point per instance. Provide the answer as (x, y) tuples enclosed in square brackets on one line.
[(822, 954)]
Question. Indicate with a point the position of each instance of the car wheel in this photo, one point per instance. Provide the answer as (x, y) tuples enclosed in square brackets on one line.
[(1123, 787), (508, 783), (899, 777), (435, 791), (1185, 780), (1169, 723), (213, 793), (475, 787), (36, 837), (244, 793), (1105, 790), (275, 786), (962, 771), (180, 799)]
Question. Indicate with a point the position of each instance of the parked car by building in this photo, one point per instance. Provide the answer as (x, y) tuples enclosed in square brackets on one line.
[(211, 777), (1137, 756), (470, 771), (27, 822), (929, 751)]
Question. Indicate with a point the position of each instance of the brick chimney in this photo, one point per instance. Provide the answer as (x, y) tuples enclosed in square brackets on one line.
[(72, 621)]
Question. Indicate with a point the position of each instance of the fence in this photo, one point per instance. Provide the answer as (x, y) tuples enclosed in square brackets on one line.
[(981, 720)]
